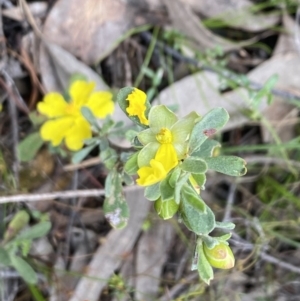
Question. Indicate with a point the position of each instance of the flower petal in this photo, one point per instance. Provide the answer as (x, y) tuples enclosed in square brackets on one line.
[(161, 117), (182, 128), (101, 103), (146, 136), (76, 135), (151, 175), (181, 150), (80, 91), (55, 130), (53, 105), (147, 153), (166, 154), (137, 105)]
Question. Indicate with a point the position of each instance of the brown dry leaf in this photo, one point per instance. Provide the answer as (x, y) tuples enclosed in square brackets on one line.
[(88, 29), (58, 65), (200, 38), (235, 13)]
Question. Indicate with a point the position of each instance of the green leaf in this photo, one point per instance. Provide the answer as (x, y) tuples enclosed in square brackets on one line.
[(211, 122), (116, 211), (194, 165), (205, 270), (127, 179), (200, 180), (229, 165), (175, 174), (207, 148), (181, 181), (4, 257), (109, 184), (152, 193), (166, 209), (210, 242), (115, 206), (36, 118), (89, 116), (36, 231), (29, 146), (24, 269), (131, 166), (107, 154), (195, 214), (80, 155), (225, 225), (166, 190), (123, 103), (108, 123)]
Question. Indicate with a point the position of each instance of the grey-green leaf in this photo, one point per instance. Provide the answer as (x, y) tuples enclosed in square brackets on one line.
[(194, 165), (166, 190), (36, 231), (211, 122), (80, 155), (199, 220), (24, 269), (207, 148), (116, 211), (225, 225), (131, 166), (152, 193), (89, 116), (205, 270), (200, 180), (4, 257), (229, 165), (29, 146), (115, 206)]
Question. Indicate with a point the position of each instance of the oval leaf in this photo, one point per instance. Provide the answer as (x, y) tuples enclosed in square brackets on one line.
[(194, 165), (213, 121), (29, 146), (229, 165), (24, 269)]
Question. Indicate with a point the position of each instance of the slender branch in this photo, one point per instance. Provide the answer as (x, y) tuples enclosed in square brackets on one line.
[(68, 194)]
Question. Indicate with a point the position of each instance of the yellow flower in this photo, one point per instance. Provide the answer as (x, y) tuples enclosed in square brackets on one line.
[(137, 105), (66, 121), (165, 144), (165, 160)]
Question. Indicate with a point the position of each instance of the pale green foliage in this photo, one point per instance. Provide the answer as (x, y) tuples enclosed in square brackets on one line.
[(178, 190), (17, 242)]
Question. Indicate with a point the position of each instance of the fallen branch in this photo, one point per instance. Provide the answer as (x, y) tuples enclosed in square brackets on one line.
[(68, 194)]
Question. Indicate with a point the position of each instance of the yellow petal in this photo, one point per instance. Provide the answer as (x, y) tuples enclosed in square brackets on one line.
[(151, 175), (137, 100), (76, 135), (53, 105), (80, 91), (55, 130), (166, 154), (101, 104)]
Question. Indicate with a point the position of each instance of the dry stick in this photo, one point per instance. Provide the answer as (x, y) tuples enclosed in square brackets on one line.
[(57, 195), (230, 201)]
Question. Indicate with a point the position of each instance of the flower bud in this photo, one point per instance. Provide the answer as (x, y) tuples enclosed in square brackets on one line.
[(19, 221), (220, 256), (166, 209)]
